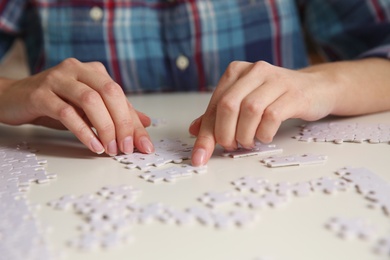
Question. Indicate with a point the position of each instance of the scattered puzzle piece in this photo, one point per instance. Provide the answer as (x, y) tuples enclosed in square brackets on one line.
[(382, 247), (294, 160), (251, 183), (351, 228), (258, 149), (217, 199), (329, 185), (119, 192), (370, 185)]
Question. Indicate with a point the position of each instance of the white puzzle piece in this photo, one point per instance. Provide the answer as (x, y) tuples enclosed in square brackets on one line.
[(339, 132), (330, 185), (172, 173), (259, 149), (251, 183), (294, 160), (217, 199), (382, 246), (351, 228), (166, 151), (370, 185)]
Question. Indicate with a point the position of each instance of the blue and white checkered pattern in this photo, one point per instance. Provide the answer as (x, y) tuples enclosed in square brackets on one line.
[(139, 41)]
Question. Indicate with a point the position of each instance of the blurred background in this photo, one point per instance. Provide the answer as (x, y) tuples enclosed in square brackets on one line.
[(14, 63)]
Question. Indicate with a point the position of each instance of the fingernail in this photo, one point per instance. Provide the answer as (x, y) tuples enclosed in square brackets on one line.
[(97, 146), (112, 148), (199, 157), (128, 145), (146, 144)]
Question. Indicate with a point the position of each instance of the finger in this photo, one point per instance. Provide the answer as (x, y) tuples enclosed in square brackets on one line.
[(70, 118), (231, 75), (228, 108), (145, 120), (204, 144), (117, 106), (252, 109), (283, 108), (141, 137), (94, 108), (195, 126)]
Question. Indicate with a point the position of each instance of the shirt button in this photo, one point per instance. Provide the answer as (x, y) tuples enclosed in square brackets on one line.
[(182, 62), (96, 13)]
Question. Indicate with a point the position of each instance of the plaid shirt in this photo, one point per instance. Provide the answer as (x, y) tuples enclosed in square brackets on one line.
[(186, 45)]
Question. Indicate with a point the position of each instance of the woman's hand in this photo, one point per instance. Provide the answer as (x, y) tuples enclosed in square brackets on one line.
[(77, 96), (252, 100)]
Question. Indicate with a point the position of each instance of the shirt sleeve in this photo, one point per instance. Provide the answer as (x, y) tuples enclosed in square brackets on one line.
[(345, 30), (381, 52), (11, 15)]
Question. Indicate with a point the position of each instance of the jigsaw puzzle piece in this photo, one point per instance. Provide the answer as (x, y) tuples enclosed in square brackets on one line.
[(172, 173), (258, 149), (294, 160), (354, 228), (251, 183)]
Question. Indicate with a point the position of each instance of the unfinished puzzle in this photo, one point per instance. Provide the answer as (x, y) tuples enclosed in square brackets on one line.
[(339, 132)]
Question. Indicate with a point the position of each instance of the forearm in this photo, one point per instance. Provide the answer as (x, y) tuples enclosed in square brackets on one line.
[(357, 87)]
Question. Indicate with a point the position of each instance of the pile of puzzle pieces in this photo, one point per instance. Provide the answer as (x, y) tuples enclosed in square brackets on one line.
[(339, 132), (112, 211), (21, 235)]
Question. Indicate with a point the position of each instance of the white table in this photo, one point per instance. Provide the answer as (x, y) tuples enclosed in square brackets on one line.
[(295, 231)]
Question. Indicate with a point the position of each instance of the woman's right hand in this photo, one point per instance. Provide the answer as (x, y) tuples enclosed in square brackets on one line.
[(77, 96)]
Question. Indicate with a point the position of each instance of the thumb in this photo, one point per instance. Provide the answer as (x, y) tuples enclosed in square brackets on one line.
[(195, 126)]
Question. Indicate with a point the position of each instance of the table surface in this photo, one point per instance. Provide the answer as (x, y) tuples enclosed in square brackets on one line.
[(295, 231)]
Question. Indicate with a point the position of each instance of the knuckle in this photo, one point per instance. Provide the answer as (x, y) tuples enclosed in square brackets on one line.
[(65, 112), (70, 62), (261, 66), (82, 131), (227, 105), (251, 106), (90, 97), (139, 130), (126, 124), (111, 88), (232, 69), (272, 115), (106, 129), (203, 139), (97, 65), (52, 77)]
